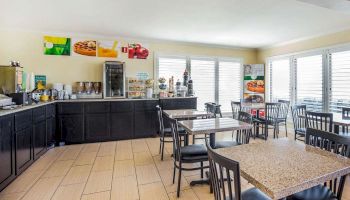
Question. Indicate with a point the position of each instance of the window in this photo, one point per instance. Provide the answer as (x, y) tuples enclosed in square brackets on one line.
[(229, 83), (339, 80), (214, 79), (203, 76), (280, 79), (309, 81), (171, 66)]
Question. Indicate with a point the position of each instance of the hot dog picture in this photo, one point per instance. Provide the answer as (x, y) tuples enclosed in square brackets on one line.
[(256, 86)]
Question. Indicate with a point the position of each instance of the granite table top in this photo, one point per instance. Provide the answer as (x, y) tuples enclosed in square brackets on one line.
[(283, 167), (213, 125), (185, 113)]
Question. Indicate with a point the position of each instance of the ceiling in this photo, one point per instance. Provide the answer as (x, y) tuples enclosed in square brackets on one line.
[(238, 23)]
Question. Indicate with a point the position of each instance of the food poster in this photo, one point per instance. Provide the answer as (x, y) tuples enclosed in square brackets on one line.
[(254, 83), (84, 47), (136, 51), (108, 49), (40, 82), (57, 45)]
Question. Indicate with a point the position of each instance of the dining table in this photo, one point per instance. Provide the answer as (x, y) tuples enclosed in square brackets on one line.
[(295, 167), (186, 114)]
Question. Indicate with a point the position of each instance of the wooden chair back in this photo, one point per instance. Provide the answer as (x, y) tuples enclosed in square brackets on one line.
[(299, 116), (284, 109), (319, 121), (160, 120), (236, 107), (243, 136)]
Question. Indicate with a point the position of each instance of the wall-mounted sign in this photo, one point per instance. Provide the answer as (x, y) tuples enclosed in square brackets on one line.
[(84, 47), (108, 49), (57, 45), (254, 83), (136, 50), (40, 82)]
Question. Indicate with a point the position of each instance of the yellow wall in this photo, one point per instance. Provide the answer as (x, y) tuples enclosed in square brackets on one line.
[(314, 43), (27, 47)]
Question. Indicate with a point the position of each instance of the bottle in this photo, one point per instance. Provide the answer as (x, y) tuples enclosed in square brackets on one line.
[(178, 87), (190, 88), (185, 77)]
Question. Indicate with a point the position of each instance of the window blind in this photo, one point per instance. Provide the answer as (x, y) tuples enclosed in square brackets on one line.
[(279, 79), (339, 80), (203, 76), (229, 83), (171, 66), (309, 81)]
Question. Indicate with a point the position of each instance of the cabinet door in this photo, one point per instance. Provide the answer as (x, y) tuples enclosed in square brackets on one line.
[(7, 164), (145, 124), (70, 108), (39, 139), (122, 125), (24, 156), (97, 127), (50, 130), (71, 128)]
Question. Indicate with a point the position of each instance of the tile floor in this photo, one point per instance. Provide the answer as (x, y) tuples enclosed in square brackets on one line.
[(120, 170)]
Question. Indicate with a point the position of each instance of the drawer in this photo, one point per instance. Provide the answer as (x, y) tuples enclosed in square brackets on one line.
[(97, 107), (146, 105), (39, 114), (122, 106), (23, 120), (70, 108)]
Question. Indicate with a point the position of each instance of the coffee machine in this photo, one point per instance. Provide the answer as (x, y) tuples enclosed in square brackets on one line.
[(11, 83)]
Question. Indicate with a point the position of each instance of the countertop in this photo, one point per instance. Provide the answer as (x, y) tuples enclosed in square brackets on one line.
[(27, 107)]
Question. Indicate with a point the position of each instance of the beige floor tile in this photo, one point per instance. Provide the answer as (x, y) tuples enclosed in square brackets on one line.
[(107, 149), (167, 179), (91, 147), (69, 192), (71, 153), (23, 182), (13, 196), (58, 168), (154, 191), (147, 174), (143, 158), (203, 192), (153, 145), (184, 195), (123, 168), (86, 158), (99, 182), (77, 174), (43, 163), (125, 188), (97, 196), (166, 164), (43, 189), (124, 154), (104, 163), (139, 145)]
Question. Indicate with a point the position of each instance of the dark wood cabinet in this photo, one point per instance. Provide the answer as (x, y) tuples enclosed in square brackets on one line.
[(178, 103), (70, 108), (50, 124), (7, 154), (71, 128), (97, 127), (39, 139), (122, 125), (145, 118), (23, 140)]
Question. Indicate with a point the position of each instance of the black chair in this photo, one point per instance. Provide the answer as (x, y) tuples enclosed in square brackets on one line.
[(270, 119), (166, 133), (222, 172), (243, 136), (195, 153), (345, 115), (333, 189), (299, 121), (319, 121), (236, 107), (214, 109), (283, 114)]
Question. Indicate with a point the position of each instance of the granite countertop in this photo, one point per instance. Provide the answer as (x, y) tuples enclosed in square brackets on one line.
[(185, 113), (22, 108), (213, 125), (283, 167)]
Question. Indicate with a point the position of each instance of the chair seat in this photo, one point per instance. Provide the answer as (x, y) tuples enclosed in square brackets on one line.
[(253, 194), (318, 192), (168, 132), (301, 131), (194, 150), (224, 144)]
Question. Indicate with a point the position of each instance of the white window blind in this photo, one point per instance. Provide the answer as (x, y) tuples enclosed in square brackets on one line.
[(171, 66), (339, 80), (280, 79), (229, 83), (309, 81), (203, 76)]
